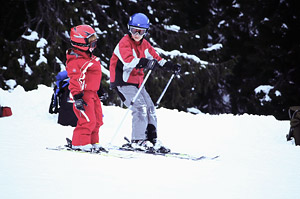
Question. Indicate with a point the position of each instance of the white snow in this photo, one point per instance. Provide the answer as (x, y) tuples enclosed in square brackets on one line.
[(235, 4), (221, 23), (194, 110), (100, 32), (266, 89), (277, 93), (11, 83), (255, 160), (104, 69), (284, 26), (22, 63), (66, 34), (175, 53), (42, 58), (62, 66), (213, 47), (174, 28), (149, 9), (32, 37), (41, 43)]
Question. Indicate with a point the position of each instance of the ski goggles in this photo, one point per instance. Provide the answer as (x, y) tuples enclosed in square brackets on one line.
[(93, 44), (92, 40), (140, 31)]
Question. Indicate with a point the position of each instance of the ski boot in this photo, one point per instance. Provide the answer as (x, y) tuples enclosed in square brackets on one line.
[(98, 148), (159, 147)]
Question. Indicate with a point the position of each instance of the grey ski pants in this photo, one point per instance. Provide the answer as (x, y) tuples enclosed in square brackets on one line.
[(143, 110)]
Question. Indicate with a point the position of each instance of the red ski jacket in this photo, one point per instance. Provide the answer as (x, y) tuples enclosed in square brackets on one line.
[(84, 71), (125, 57)]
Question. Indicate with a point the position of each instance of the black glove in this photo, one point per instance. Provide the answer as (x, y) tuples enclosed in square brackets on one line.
[(147, 64), (79, 102), (142, 63), (169, 66)]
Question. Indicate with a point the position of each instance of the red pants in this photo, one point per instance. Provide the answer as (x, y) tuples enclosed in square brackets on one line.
[(89, 121)]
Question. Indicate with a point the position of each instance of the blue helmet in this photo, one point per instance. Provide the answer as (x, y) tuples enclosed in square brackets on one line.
[(139, 20)]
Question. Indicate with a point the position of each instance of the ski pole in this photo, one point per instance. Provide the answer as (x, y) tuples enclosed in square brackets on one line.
[(164, 91), (150, 65)]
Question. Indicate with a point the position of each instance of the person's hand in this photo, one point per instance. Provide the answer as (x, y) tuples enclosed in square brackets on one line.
[(169, 66), (142, 63), (79, 102), (147, 64)]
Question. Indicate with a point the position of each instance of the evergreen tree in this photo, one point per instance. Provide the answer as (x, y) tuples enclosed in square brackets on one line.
[(227, 49)]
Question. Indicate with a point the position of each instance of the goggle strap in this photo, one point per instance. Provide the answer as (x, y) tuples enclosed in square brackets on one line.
[(79, 44), (132, 30)]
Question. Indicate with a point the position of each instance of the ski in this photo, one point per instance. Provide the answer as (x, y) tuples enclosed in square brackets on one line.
[(127, 147), (177, 155), (107, 154), (127, 152)]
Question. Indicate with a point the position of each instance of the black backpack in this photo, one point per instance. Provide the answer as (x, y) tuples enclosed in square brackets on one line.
[(60, 101), (294, 114)]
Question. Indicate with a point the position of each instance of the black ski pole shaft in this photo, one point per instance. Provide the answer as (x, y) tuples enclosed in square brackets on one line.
[(150, 65), (164, 91)]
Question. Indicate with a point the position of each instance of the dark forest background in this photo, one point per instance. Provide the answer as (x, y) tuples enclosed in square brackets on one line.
[(259, 46)]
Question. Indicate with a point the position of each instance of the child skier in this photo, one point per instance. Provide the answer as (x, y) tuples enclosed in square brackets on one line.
[(130, 57), (85, 74)]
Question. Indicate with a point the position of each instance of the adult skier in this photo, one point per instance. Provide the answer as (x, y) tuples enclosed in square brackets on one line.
[(84, 71), (127, 64)]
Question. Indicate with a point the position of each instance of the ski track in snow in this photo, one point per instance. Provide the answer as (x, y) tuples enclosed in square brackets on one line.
[(255, 159)]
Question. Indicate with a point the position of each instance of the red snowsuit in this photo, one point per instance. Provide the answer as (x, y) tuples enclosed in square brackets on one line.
[(126, 56), (85, 75)]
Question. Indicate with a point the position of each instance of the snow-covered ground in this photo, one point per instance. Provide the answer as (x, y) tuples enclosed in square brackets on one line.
[(255, 159)]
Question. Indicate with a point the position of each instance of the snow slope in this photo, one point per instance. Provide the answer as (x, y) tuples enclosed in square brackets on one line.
[(255, 159)]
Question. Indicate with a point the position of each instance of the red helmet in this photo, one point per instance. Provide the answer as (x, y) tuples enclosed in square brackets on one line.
[(79, 36)]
